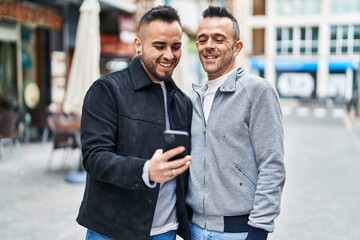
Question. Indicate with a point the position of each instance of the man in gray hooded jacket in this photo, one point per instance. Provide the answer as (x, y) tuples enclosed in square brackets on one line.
[(237, 172)]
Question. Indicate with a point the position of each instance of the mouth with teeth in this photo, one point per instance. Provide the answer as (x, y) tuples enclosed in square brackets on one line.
[(210, 58), (166, 64), (165, 69)]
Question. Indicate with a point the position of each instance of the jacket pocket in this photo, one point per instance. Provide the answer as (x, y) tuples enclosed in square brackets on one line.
[(243, 175)]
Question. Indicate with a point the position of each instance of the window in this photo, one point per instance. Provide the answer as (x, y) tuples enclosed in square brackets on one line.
[(348, 6), (303, 40), (308, 40), (258, 41), (259, 7), (8, 77), (284, 41), (297, 7), (344, 39), (356, 39)]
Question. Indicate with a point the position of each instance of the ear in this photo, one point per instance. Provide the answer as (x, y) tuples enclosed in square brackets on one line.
[(238, 46), (138, 45)]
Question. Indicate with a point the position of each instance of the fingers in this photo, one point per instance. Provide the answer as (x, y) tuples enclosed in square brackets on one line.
[(179, 162), (173, 152), (180, 168), (162, 170)]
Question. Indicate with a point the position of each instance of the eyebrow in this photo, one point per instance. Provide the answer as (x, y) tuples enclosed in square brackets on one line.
[(164, 43), (215, 34), (158, 42)]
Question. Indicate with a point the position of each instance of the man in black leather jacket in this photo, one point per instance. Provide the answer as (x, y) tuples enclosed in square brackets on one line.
[(132, 191)]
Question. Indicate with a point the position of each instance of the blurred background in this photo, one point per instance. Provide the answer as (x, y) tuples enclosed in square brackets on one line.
[(308, 49)]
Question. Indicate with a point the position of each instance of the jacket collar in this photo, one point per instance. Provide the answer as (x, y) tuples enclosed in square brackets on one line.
[(140, 79), (230, 83), (228, 86)]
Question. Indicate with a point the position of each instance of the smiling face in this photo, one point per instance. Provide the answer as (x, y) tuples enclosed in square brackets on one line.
[(216, 46), (160, 45)]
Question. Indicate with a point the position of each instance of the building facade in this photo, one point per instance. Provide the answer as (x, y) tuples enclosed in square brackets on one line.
[(310, 49), (37, 42), (27, 35)]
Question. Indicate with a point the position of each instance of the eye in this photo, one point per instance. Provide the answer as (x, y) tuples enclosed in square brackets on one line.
[(175, 48), (219, 40), (202, 40), (159, 47)]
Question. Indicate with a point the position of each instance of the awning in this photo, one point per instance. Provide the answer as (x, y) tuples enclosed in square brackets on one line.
[(127, 6), (291, 65), (296, 65), (258, 64), (342, 65), (287, 65)]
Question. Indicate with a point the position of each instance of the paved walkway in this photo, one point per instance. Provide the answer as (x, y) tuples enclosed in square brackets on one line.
[(36, 204)]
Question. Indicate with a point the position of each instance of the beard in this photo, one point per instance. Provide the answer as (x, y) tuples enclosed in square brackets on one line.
[(151, 69), (165, 78)]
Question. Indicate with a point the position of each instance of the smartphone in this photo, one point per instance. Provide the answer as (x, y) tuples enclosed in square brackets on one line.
[(175, 138)]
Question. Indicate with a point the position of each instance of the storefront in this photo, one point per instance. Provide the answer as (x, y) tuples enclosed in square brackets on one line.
[(37, 42), (298, 78), (28, 33)]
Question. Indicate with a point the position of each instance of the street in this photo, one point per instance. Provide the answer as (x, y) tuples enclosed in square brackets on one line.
[(321, 198), (321, 195)]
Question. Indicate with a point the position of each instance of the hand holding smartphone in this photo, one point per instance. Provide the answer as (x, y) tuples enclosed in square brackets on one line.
[(175, 138)]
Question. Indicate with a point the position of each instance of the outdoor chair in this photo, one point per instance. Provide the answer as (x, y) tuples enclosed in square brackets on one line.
[(65, 135), (8, 132)]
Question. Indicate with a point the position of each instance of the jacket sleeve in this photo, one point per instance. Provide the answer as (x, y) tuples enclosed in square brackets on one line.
[(256, 234), (267, 136), (98, 139)]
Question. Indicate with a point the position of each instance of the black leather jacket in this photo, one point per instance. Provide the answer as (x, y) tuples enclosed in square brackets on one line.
[(122, 125)]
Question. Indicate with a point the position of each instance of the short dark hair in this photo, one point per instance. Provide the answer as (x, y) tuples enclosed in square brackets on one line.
[(215, 11), (164, 13)]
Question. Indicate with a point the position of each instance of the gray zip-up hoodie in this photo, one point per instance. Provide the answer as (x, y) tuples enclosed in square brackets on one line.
[(237, 166)]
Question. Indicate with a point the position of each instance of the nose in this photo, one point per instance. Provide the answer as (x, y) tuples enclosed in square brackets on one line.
[(168, 54), (209, 44)]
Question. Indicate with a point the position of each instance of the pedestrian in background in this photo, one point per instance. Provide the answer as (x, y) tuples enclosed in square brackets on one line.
[(132, 190), (237, 171)]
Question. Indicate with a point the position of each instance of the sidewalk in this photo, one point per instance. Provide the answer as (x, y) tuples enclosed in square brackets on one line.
[(40, 205), (36, 204), (351, 121)]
